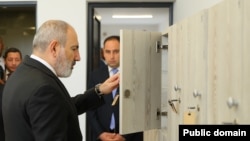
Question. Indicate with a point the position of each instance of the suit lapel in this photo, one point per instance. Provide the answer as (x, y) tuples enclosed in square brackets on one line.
[(32, 62)]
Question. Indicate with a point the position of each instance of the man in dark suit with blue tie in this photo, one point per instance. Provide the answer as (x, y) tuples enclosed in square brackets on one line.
[(100, 119)]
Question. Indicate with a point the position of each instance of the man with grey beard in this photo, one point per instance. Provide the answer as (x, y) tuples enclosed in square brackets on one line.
[(36, 104)]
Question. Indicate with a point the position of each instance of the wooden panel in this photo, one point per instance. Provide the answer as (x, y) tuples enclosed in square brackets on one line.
[(209, 53), (244, 97), (195, 67), (218, 63), (177, 38), (181, 56), (152, 135), (225, 55), (173, 93), (140, 84), (172, 37), (235, 29)]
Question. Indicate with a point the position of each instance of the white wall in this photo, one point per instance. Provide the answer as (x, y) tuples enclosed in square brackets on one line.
[(74, 12), (186, 8)]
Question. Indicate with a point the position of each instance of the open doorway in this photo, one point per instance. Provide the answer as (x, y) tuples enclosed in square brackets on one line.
[(18, 25), (93, 27), (94, 32)]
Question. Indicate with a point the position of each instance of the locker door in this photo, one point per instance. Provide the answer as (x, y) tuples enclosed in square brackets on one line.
[(187, 73), (140, 81), (173, 87), (195, 67), (177, 37), (227, 30), (244, 113), (218, 62), (232, 62)]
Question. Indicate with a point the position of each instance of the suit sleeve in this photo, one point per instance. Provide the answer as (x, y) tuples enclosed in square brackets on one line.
[(87, 101), (92, 114), (2, 136)]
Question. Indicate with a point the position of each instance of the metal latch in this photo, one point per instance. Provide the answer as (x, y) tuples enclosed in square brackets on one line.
[(159, 46), (159, 113)]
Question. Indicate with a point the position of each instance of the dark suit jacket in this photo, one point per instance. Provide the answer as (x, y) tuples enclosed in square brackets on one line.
[(2, 136), (99, 119), (37, 106)]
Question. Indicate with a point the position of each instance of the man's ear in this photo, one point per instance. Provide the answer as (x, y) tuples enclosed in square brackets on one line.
[(54, 47)]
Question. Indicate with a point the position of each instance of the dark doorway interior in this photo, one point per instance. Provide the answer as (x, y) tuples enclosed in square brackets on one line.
[(18, 24)]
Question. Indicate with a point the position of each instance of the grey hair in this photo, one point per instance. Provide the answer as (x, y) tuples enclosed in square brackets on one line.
[(48, 31)]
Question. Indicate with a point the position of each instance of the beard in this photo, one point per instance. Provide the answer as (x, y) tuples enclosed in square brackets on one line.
[(63, 66)]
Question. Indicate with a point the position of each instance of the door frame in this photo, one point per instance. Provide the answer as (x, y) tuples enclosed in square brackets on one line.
[(90, 21), (18, 4)]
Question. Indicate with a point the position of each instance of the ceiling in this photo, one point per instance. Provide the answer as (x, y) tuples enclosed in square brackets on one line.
[(159, 15)]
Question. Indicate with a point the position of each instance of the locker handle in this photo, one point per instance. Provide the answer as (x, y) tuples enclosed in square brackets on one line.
[(232, 102), (196, 93), (177, 88)]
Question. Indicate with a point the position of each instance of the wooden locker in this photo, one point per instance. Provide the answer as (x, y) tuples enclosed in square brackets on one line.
[(208, 72), (140, 81), (195, 69), (187, 72), (228, 64)]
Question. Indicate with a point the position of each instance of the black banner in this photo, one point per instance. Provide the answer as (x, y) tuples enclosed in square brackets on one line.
[(198, 132)]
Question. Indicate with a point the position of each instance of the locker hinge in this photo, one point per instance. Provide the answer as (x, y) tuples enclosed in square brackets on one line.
[(159, 46), (159, 113)]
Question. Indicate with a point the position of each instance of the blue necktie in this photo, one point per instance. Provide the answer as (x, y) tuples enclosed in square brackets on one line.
[(112, 123)]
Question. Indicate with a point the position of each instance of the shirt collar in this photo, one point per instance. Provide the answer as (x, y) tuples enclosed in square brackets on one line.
[(118, 68), (43, 62)]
